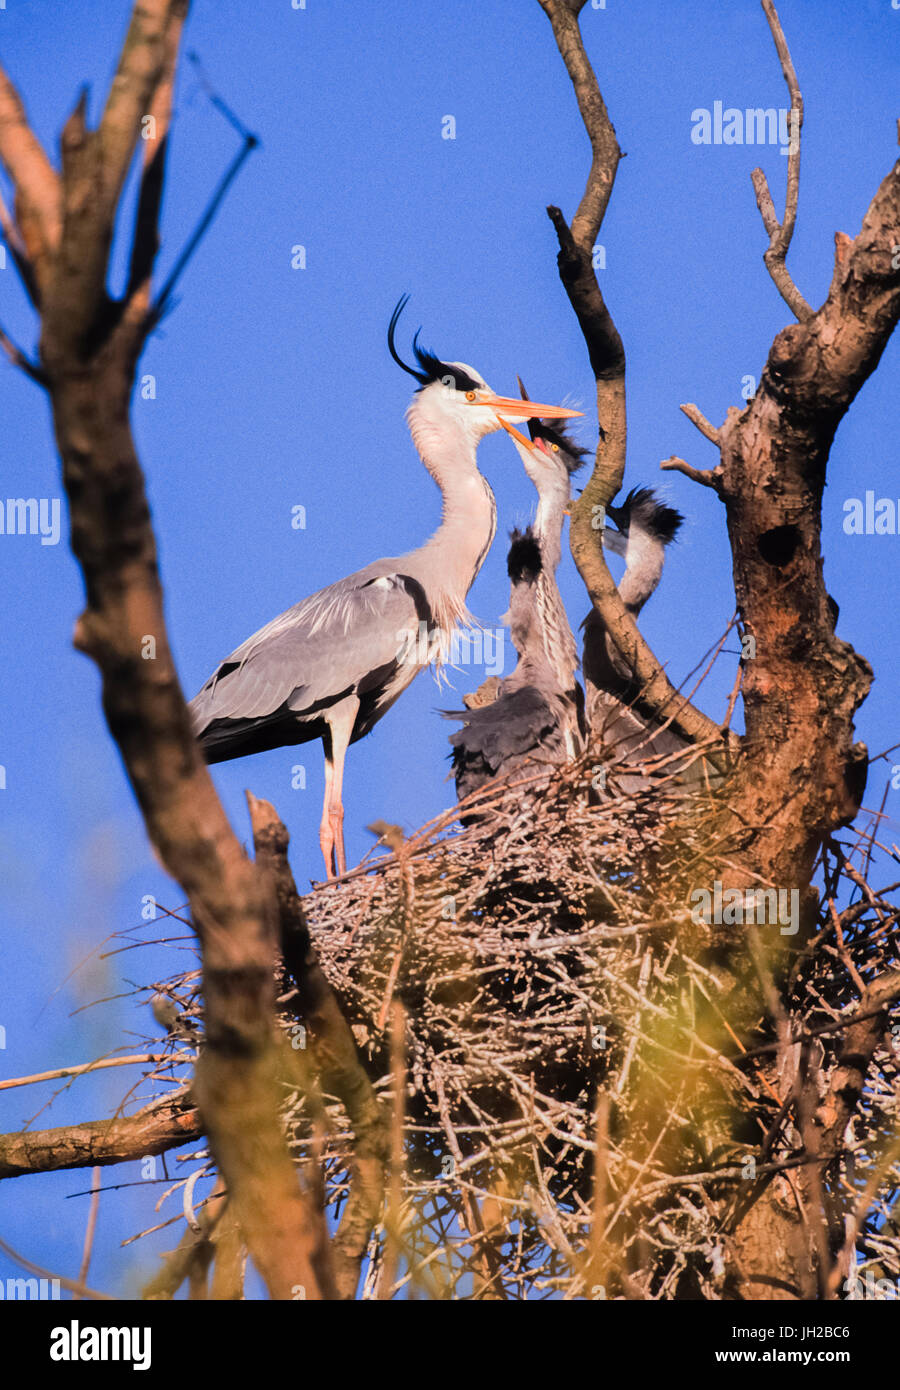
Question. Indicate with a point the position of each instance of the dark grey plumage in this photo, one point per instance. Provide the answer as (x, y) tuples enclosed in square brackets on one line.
[(526, 723)]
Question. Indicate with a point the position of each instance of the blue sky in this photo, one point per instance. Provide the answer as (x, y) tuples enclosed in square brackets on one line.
[(274, 389)]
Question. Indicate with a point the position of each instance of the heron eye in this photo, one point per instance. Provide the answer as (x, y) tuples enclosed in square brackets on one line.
[(470, 395), (555, 448)]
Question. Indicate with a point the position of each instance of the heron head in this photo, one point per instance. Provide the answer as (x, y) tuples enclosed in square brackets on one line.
[(550, 455), (646, 527), (644, 512), (453, 393)]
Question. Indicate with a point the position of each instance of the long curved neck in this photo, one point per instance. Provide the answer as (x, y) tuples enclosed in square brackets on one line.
[(548, 524), (559, 640), (644, 554), (644, 558), (451, 558)]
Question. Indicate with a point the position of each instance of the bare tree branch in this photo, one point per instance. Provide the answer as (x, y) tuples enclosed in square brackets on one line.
[(19, 359), (100, 1064), (334, 1052), (71, 1284), (706, 477), (780, 234), (89, 349), (13, 238), (696, 417), (606, 154), (192, 1255), (90, 1229), (658, 696), (145, 245), (38, 206), (163, 1124)]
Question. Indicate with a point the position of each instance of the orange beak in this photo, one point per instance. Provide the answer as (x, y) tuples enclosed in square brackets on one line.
[(527, 410), (517, 435)]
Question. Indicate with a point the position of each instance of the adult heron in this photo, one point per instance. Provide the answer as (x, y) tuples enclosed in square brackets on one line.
[(536, 715), (330, 667)]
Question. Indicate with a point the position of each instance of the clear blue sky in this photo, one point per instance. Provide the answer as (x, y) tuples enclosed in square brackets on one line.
[(274, 389)]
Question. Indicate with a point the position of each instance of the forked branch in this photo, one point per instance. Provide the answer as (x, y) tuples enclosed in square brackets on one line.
[(781, 233), (607, 357), (89, 349)]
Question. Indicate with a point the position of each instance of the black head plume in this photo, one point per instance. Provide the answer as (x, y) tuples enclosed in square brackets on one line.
[(643, 507), (572, 455), (523, 562), (430, 368)]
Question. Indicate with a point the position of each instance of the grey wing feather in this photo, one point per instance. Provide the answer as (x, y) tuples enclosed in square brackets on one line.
[(313, 653), (498, 738)]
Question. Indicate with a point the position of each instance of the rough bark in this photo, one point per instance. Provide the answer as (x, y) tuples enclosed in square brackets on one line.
[(799, 772), (607, 356), (163, 1124), (89, 347), (333, 1053)]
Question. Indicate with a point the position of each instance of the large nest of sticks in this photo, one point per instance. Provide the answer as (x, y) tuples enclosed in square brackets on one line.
[(531, 955), (546, 959), (567, 1126)]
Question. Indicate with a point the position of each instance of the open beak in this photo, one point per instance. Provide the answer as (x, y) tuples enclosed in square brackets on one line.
[(525, 397), (517, 435), (525, 410)]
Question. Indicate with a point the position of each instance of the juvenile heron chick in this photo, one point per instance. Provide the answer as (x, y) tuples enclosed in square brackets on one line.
[(529, 719), (537, 713), (646, 527)]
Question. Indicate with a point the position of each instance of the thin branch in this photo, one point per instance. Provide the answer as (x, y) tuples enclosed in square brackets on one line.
[(83, 1068), (696, 417), (163, 1124), (90, 1230), (164, 297), (18, 358), (191, 1257), (72, 1284), (38, 203), (706, 477), (13, 238), (733, 697), (145, 242), (781, 234)]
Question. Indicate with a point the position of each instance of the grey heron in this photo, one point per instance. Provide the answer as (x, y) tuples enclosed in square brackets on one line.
[(646, 527), (331, 666), (536, 714)]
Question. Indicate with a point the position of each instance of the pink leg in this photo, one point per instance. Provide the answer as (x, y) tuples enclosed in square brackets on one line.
[(341, 723), (326, 834)]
